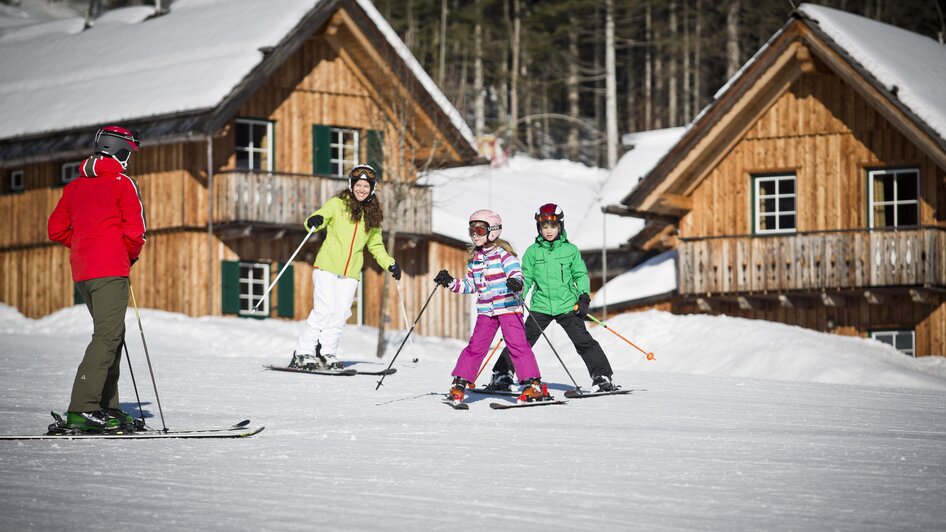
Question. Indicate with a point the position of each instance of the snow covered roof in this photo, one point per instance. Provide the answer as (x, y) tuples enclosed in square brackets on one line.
[(515, 192), (909, 65), (59, 76), (654, 276), (644, 150)]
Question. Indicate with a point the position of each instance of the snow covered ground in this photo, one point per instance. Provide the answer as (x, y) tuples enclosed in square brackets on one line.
[(737, 425)]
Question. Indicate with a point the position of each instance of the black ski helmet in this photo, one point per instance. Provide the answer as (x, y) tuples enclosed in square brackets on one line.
[(117, 142), (362, 171), (549, 212)]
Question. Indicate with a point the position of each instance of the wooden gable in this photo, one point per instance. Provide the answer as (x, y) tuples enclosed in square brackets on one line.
[(798, 106)]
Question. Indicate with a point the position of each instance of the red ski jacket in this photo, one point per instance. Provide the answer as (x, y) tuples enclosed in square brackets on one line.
[(100, 218)]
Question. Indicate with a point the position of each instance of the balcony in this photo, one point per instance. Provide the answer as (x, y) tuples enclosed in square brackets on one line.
[(242, 197), (830, 260)]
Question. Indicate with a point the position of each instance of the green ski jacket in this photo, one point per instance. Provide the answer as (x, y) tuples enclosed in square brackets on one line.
[(558, 274), (342, 253)]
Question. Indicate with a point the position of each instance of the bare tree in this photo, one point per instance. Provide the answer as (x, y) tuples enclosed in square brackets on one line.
[(732, 39), (611, 97)]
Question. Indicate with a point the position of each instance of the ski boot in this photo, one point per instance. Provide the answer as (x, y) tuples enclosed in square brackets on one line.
[(329, 362), (126, 421), (501, 382), (604, 384), (97, 421), (534, 390), (457, 391)]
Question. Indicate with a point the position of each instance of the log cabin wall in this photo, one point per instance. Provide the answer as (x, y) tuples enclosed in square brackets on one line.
[(829, 136)]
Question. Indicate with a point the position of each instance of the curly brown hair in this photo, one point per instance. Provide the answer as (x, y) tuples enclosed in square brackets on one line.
[(371, 208)]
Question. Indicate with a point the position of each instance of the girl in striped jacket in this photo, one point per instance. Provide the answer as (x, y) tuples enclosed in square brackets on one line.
[(495, 276)]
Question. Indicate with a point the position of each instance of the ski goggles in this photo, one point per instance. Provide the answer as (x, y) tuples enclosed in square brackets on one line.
[(543, 218), (478, 230), (359, 173)]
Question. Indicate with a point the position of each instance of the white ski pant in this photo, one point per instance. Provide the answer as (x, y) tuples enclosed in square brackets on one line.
[(331, 307)]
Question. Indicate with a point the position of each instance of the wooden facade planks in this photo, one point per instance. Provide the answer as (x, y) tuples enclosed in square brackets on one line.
[(817, 261)]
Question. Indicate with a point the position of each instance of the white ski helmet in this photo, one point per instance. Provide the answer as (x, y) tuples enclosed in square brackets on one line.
[(494, 224), (362, 171)]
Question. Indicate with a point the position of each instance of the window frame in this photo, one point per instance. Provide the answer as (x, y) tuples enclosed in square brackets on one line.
[(11, 180), (62, 172), (251, 149), (871, 204), (757, 179), (247, 297), (894, 333), (337, 161)]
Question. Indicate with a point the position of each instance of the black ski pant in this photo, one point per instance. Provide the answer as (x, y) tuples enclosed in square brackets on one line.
[(96, 383), (588, 348)]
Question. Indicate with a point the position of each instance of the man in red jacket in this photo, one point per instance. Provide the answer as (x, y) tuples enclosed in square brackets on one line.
[(101, 220)]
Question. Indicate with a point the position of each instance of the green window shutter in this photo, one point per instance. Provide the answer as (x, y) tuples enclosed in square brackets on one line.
[(321, 149), (77, 298), (285, 291), (230, 286), (375, 151)]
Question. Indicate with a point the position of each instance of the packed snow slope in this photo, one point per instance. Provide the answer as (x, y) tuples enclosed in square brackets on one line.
[(737, 425)]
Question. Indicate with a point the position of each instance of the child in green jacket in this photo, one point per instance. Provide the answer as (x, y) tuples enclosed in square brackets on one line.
[(554, 267)]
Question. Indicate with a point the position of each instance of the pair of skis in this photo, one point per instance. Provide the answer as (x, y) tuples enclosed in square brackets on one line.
[(570, 394), (59, 431), (344, 372)]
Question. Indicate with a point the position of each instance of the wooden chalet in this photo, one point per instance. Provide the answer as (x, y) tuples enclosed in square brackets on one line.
[(286, 96), (811, 191)]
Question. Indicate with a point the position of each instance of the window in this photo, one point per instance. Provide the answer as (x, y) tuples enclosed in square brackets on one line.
[(254, 145), (774, 204), (903, 341), (344, 150), (69, 172), (254, 278), (16, 181), (894, 197)]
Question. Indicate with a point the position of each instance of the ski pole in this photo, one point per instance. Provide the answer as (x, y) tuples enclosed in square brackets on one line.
[(650, 356), (404, 341), (404, 311), (523, 303), (288, 262), (133, 383), (493, 352), (147, 356)]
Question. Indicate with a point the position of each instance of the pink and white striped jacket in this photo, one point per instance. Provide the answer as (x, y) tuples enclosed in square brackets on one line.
[(486, 277)]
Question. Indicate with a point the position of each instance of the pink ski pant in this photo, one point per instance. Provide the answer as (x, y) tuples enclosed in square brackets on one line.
[(523, 360)]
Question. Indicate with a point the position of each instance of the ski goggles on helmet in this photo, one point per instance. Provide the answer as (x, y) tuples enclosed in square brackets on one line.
[(362, 172), (478, 230), (547, 218)]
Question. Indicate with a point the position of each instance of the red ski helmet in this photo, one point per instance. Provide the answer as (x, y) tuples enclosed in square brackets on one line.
[(549, 212), (117, 142), (494, 224)]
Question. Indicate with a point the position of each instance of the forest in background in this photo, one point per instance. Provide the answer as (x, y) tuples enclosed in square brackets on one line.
[(535, 72)]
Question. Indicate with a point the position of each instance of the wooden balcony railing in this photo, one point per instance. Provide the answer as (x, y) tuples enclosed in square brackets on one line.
[(813, 261), (286, 199)]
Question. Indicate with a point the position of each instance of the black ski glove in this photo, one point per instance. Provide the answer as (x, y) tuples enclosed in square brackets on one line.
[(584, 301), (513, 284), (395, 271), (443, 279), (314, 221)]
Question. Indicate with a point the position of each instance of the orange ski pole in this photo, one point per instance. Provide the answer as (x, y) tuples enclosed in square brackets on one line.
[(650, 356), (493, 352)]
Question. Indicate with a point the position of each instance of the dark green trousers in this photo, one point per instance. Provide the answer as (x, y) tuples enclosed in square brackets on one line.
[(96, 383)]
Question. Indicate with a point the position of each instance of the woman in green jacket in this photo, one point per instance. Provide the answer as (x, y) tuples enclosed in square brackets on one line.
[(352, 222), (553, 266)]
